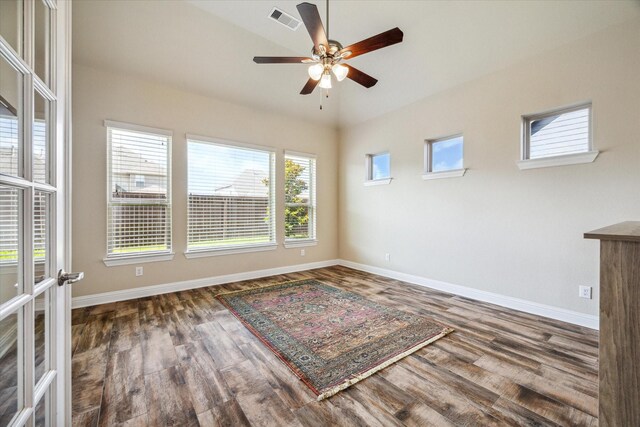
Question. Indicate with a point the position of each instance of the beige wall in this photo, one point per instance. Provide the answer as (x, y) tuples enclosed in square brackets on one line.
[(499, 229), (99, 95)]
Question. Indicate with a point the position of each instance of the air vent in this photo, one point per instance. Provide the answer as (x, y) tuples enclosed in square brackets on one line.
[(284, 18)]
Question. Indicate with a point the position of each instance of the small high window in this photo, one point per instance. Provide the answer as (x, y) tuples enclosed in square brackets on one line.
[(443, 157), (558, 137), (378, 169)]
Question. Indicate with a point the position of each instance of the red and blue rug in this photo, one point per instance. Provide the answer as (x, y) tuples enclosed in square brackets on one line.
[(328, 337)]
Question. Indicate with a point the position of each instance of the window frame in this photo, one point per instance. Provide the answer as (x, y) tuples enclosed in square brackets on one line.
[(111, 260), (208, 251), (312, 240), (368, 165), (428, 159), (526, 162)]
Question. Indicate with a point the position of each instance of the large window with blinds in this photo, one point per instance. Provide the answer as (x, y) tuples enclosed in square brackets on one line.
[(299, 197), (139, 190), (231, 197)]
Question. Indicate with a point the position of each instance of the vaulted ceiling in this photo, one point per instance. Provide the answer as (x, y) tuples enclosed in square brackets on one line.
[(207, 46)]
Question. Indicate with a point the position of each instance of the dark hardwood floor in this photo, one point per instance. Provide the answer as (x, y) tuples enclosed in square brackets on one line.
[(182, 359)]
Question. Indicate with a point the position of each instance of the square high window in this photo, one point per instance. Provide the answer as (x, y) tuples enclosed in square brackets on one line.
[(443, 157)]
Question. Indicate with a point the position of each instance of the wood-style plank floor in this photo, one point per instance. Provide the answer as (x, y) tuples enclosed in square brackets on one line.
[(182, 359)]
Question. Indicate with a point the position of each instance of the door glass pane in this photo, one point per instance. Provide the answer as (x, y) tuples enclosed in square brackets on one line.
[(40, 138), (42, 40), (11, 22), (9, 373), (42, 414), (40, 236), (10, 262), (41, 319), (10, 109)]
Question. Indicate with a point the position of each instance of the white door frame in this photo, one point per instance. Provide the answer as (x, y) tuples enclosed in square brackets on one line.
[(64, 136)]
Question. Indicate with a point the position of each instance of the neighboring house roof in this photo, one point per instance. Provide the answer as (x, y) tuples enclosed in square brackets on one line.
[(130, 162)]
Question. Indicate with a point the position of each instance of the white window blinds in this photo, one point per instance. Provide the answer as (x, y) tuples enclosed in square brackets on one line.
[(139, 195), (558, 133), (299, 197), (231, 196)]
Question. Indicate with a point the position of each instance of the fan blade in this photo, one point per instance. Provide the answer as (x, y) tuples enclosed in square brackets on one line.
[(279, 59), (379, 41), (359, 77), (311, 18), (309, 87)]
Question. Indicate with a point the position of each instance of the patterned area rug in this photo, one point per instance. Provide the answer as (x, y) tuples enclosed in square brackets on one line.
[(328, 337)]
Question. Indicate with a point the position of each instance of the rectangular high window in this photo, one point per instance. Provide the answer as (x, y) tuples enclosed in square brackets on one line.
[(139, 194), (299, 197), (558, 137), (377, 169), (558, 133), (231, 203)]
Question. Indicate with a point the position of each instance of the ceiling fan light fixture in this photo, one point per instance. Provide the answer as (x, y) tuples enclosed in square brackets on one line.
[(325, 82), (315, 71), (340, 71)]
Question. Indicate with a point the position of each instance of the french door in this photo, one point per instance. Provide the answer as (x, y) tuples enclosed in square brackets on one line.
[(34, 149)]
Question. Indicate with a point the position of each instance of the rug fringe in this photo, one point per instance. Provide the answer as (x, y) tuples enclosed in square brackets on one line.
[(375, 369)]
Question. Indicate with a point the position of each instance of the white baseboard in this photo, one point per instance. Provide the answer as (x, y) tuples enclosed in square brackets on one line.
[(549, 311), (544, 310), (146, 291)]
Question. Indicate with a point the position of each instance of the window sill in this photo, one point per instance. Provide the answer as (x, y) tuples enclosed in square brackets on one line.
[(444, 174), (229, 250), (137, 259), (377, 182), (288, 244), (568, 159)]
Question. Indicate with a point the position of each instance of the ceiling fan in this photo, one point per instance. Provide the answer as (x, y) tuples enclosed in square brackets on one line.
[(327, 55)]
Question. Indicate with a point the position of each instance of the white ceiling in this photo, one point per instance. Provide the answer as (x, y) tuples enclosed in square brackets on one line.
[(207, 46)]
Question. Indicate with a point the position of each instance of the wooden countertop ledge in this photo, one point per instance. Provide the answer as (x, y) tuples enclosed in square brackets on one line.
[(628, 231)]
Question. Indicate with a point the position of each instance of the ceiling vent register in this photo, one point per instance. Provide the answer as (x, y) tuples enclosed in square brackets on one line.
[(285, 19)]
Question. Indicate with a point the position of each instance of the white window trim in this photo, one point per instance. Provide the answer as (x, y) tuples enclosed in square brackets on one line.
[(114, 261), (373, 182), (299, 243), (229, 143), (236, 249), (228, 250), (444, 174), (368, 170), (564, 160), (428, 157), (119, 259), (136, 128)]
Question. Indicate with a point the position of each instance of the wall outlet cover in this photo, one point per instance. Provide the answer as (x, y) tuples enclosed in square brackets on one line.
[(585, 292)]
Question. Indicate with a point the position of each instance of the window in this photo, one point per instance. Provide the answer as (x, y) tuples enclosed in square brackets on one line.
[(558, 137), (139, 210), (231, 197), (443, 157), (378, 169), (299, 198)]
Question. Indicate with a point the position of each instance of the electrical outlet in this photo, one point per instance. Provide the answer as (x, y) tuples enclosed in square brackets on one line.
[(302, 252), (387, 257), (139, 271), (585, 292)]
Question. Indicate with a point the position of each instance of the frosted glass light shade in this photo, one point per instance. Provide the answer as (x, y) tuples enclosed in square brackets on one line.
[(315, 71), (340, 71), (325, 82)]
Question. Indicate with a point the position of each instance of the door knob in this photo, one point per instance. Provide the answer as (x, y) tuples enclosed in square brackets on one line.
[(64, 277)]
